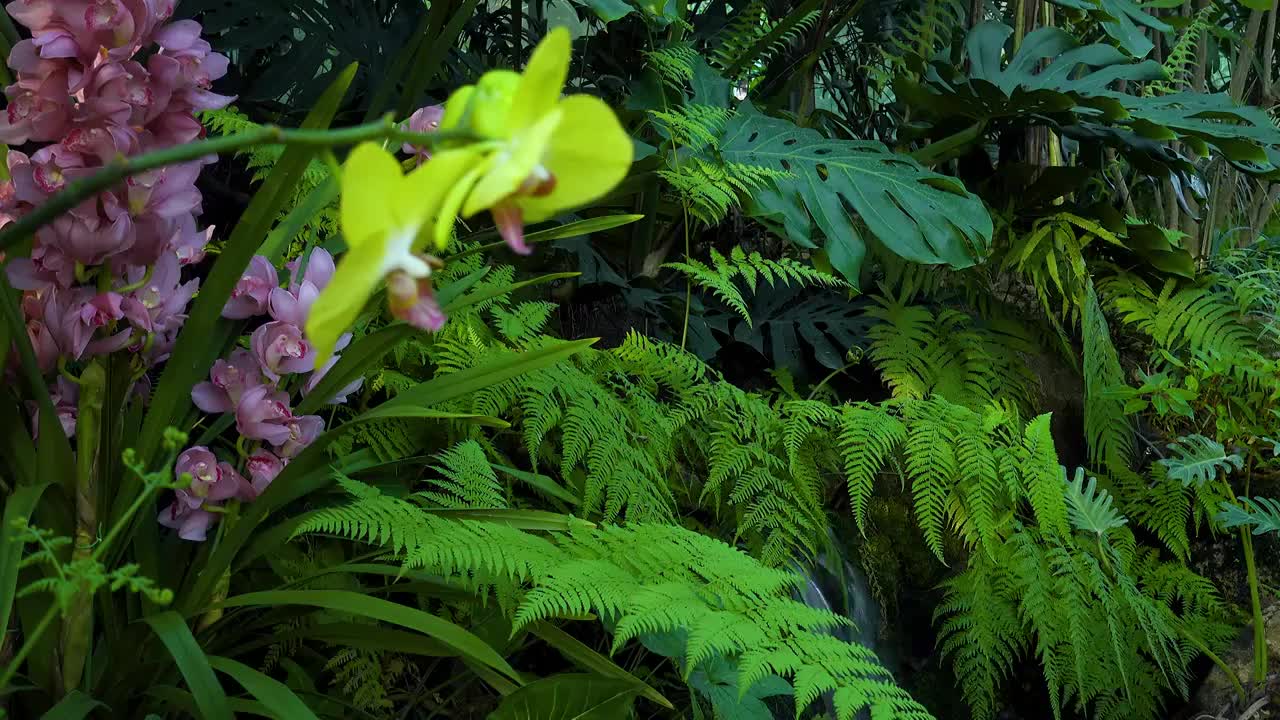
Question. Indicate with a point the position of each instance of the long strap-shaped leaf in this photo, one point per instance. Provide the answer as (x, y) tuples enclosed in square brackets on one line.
[(193, 664), (17, 509), (270, 692), (455, 636), (75, 706)]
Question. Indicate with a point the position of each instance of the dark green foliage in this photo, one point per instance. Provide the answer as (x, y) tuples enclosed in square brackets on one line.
[(912, 212), (991, 87)]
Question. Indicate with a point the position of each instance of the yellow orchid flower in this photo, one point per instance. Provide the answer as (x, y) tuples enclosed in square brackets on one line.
[(383, 215), (543, 154)]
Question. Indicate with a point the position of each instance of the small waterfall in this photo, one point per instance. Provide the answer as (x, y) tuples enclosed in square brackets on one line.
[(834, 582)]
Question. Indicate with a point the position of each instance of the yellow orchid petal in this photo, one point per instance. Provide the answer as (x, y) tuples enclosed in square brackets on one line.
[(455, 108), (589, 154), (491, 103), (542, 80), (510, 171), (368, 177), (354, 281), (454, 199), (424, 190)]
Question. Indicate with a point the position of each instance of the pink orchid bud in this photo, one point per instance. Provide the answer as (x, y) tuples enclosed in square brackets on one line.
[(249, 298), (414, 301), (91, 242), (228, 381), (191, 523), (280, 349), (168, 192), (173, 127), (264, 415), (189, 243), (302, 432), (318, 272), (424, 120), (159, 305), (263, 467)]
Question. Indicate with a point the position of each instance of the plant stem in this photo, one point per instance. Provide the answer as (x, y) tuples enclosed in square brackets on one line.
[(1259, 625), (830, 377), (1226, 670), (77, 628), (119, 169)]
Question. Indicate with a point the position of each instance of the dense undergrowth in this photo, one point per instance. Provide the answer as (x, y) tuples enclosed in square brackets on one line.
[(549, 392)]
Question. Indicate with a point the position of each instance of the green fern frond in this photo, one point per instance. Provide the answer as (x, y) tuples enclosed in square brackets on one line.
[(751, 26), (1198, 317), (693, 126), (1108, 430), (524, 321), (1180, 61), (712, 189), (468, 480), (674, 64), (1042, 477), (650, 579), (923, 32), (720, 277)]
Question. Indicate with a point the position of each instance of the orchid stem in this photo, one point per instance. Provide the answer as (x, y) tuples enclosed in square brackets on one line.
[(119, 169)]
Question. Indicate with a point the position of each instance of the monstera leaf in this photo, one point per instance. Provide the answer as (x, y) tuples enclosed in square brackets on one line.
[(917, 214), (1074, 92), (1120, 20)]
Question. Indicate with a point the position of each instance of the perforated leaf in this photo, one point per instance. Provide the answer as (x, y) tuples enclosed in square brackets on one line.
[(1262, 514), (1196, 459), (1089, 506), (913, 212)]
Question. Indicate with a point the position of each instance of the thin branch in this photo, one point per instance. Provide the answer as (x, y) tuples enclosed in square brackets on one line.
[(121, 168)]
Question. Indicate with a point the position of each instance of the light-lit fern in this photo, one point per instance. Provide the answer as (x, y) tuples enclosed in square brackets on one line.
[(1200, 317), (922, 32), (467, 480), (752, 27), (692, 125), (721, 276), (674, 64), (1180, 61), (1108, 430), (646, 579), (920, 353), (712, 188)]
